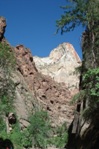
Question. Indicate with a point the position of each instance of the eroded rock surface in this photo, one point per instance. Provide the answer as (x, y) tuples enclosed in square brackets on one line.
[(52, 96), (60, 65), (2, 26), (36, 90)]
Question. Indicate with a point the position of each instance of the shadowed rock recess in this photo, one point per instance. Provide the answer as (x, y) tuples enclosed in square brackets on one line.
[(44, 83)]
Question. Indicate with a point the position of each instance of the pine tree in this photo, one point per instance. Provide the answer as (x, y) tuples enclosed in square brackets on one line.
[(85, 13)]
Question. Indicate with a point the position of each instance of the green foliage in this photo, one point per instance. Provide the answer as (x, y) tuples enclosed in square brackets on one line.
[(15, 136), (61, 136), (90, 93), (91, 85), (40, 133), (91, 82), (26, 138), (40, 129), (6, 105), (79, 96), (19, 138), (2, 128), (7, 88), (74, 15), (7, 59), (78, 12), (85, 12)]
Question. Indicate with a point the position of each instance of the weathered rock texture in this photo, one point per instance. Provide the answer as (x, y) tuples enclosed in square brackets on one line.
[(2, 27), (35, 90), (60, 65), (43, 83), (44, 91)]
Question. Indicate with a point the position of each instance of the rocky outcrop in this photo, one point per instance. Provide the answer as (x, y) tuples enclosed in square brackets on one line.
[(60, 65), (2, 27), (44, 91), (34, 90), (42, 83)]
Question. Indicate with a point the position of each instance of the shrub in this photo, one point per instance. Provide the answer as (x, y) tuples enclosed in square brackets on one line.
[(40, 129), (60, 138), (7, 88), (7, 58)]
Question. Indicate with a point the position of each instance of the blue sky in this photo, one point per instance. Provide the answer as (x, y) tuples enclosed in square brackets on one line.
[(33, 24)]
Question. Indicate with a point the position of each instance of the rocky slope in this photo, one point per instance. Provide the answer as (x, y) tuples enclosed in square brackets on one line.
[(34, 90), (53, 96), (45, 92)]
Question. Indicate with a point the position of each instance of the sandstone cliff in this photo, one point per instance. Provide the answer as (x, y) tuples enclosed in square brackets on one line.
[(36, 90), (42, 83), (60, 65), (48, 94)]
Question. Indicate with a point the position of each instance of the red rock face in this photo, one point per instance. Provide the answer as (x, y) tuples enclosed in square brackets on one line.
[(25, 64), (52, 96)]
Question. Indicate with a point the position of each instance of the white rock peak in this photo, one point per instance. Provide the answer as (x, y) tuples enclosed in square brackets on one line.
[(60, 65)]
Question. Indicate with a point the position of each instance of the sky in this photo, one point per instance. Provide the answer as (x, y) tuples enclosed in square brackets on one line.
[(33, 24)]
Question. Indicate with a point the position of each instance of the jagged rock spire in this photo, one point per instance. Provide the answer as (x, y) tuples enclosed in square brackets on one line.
[(2, 27)]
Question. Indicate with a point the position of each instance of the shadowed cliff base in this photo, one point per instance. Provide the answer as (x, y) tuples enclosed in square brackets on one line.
[(89, 139)]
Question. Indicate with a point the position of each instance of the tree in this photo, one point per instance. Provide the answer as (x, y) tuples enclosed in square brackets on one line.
[(85, 13), (78, 12)]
